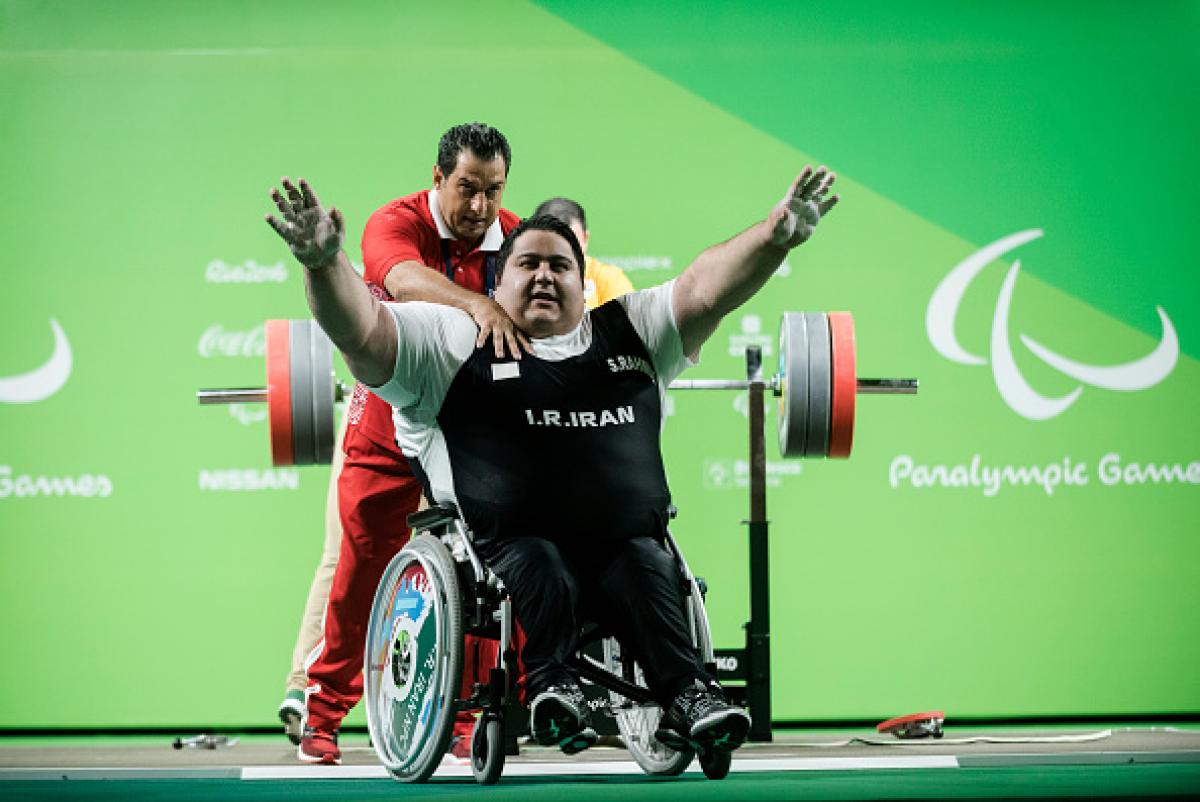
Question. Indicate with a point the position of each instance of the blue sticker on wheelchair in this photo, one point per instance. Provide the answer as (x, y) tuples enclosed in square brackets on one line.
[(410, 596)]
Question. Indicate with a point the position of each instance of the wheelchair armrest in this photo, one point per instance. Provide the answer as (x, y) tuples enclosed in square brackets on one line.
[(436, 515)]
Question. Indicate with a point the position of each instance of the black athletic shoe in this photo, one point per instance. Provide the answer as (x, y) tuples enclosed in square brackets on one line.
[(700, 718), (559, 717)]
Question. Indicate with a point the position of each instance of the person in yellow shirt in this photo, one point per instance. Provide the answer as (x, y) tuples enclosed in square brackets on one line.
[(601, 281)]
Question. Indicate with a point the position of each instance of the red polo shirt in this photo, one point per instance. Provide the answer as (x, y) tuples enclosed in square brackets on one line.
[(412, 229)]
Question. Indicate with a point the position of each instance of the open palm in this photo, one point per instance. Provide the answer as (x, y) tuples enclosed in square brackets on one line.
[(795, 217), (314, 234)]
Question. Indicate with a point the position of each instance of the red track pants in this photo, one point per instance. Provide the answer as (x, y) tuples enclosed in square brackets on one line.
[(376, 493)]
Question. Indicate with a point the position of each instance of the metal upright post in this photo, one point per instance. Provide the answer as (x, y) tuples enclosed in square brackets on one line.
[(758, 628)]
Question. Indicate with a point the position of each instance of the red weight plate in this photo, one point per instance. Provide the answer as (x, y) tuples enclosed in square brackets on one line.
[(279, 392), (845, 384)]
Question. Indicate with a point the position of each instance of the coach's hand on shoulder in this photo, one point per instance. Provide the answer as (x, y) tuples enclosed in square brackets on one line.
[(795, 217), (314, 234), (495, 324)]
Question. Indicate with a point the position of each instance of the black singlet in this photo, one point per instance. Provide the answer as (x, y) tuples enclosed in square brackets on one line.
[(560, 449)]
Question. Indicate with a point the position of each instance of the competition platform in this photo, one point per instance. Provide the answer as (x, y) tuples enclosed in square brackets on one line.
[(996, 762)]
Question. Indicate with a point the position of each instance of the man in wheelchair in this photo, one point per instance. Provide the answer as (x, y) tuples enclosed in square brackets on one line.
[(526, 447)]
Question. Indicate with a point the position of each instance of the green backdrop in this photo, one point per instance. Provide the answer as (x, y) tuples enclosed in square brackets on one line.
[(153, 567)]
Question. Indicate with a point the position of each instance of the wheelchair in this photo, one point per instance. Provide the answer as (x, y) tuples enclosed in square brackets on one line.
[(435, 591)]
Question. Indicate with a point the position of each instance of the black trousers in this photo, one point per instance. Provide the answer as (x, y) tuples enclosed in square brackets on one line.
[(631, 588)]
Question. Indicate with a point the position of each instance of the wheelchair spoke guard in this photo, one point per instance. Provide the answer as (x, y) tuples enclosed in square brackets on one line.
[(413, 660)]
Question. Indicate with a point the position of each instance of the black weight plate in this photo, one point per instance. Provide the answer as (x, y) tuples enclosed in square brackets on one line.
[(322, 394), (820, 359)]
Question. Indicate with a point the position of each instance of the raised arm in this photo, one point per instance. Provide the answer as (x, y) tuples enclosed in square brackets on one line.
[(725, 276), (358, 324)]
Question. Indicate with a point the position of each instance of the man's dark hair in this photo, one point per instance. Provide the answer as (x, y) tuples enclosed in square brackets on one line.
[(543, 222), (564, 209), (481, 139)]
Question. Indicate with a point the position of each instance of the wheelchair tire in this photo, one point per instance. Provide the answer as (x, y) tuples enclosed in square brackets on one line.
[(487, 750), (715, 765), (637, 723), (413, 661)]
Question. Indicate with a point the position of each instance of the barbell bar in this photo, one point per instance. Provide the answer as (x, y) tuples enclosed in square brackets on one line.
[(863, 387), (816, 384)]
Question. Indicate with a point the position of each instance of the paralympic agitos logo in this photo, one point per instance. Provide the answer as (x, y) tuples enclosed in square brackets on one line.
[(1013, 387)]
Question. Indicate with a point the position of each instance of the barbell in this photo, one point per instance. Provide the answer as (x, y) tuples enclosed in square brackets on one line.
[(816, 384)]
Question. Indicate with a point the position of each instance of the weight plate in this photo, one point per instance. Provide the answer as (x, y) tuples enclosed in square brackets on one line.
[(793, 384), (845, 384), (302, 397), (322, 384), (816, 441), (279, 392)]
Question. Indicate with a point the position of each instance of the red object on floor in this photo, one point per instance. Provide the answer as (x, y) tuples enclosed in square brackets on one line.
[(914, 725)]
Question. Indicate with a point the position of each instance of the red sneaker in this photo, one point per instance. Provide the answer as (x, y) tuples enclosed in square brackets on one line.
[(460, 739), (460, 747), (319, 746)]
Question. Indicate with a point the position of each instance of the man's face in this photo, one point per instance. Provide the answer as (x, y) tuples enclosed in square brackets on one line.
[(469, 198), (540, 287)]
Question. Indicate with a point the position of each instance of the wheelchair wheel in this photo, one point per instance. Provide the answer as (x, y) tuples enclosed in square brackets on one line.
[(637, 722), (413, 661), (487, 750), (715, 765)]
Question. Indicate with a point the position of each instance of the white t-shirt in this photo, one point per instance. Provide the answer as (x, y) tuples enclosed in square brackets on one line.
[(434, 341)]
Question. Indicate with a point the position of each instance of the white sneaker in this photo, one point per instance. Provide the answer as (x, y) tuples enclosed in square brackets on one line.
[(292, 713)]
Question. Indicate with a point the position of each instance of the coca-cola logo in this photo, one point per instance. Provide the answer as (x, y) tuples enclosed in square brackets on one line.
[(217, 341), (219, 271)]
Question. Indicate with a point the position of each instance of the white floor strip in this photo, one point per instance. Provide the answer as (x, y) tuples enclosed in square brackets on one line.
[(608, 767), (314, 773), (847, 763)]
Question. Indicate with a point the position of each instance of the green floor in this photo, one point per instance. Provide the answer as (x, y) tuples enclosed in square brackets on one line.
[(1041, 782)]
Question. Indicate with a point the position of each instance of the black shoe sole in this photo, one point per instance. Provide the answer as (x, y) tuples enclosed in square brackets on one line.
[(578, 742), (562, 727), (723, 733)]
